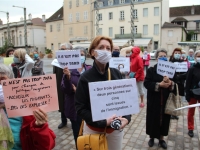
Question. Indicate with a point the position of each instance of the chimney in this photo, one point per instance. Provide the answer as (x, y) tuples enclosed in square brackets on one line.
[(30, 17), (43, 18), (1, 22), (193, 10), (21, 19)]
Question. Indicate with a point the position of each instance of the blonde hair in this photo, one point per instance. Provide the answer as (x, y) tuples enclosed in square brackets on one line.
[(20, 53)]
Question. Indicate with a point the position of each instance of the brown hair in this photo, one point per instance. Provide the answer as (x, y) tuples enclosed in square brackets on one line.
[(96, 42), (177, 49)]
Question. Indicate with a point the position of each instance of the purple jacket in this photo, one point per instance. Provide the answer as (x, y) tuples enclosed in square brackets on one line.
[(66, 85)]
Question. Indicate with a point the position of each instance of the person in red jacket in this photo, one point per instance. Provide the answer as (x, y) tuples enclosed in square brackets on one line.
[(138, 70)]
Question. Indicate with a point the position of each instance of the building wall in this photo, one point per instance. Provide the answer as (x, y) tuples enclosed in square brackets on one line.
[(78, 26), (55, 37)]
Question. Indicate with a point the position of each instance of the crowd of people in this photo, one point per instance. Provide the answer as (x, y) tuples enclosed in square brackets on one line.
[(32, 132)]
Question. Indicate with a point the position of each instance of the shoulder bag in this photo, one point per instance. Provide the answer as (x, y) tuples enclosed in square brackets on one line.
[(36, 71), (92, 141), (173, 102)]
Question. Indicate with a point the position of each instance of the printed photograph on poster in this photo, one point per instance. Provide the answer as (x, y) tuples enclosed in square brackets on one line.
[(165, 68), (118, 97), (69, 58), (23, 95), (120, 63), (181, 66)]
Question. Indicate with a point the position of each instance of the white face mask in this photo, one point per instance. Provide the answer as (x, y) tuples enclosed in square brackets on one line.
[(198, 59), (103, 56)]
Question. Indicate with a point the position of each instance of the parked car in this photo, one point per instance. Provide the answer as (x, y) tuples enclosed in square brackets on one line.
[(152, 54)]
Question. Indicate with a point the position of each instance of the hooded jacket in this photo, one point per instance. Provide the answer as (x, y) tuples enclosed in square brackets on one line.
[(137, 64)]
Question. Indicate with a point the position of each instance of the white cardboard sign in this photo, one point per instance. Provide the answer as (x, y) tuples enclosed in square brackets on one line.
[(119, 97), (120, 63), (165, 68), (69, 58), (56, 63), (181, 66)]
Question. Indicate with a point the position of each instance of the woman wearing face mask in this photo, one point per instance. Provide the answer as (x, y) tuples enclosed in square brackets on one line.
[(158, 90), (193, 90), (38, 64), (190, 57), (184, 57), (100, 50), (23, 64), (9, 52), (68, 85), (146, 58), (179, 77)]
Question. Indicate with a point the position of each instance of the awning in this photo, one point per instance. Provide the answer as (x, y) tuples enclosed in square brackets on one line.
[(142, 42), (120, 42)]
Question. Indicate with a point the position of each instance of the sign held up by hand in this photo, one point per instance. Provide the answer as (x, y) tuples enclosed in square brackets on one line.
[(23, 95), (69, 58), (119, 97), (165, 68), (181, 66), (120, 63)]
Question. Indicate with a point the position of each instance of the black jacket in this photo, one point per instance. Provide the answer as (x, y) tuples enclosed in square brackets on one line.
[(82, 97), (192, 80)]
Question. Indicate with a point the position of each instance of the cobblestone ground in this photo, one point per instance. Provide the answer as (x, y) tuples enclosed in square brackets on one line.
[(135, 137)]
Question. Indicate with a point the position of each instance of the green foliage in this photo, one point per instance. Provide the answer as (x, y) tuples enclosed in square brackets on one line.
[(6, 46), (142, 48), (189, 35), (48, 51)]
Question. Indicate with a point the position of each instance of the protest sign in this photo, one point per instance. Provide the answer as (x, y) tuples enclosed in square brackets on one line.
[(69, 58), (56, 63), (23, 95), (118, 97), (165, 68), (181, 66), (120, 63), (8, 60)]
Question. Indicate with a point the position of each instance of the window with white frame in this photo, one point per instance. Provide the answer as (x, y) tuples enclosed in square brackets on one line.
[(122, 1), (100, 31), (85, 15), (51, 28), (156, 29), (110, 2), (145, 29), (85, 29), (135, 29), (145, 12), (20, 39), (77, 16), (170, 33), (156, 11), (100, 4), (52, 47), (110, 15), (85, 2), (70, 31), (58, 27), (135, 14), (194, 37), (121, 15), (121, 30), (100, 17), (110, 32), (70, 17), (70, 4), (77, 3)]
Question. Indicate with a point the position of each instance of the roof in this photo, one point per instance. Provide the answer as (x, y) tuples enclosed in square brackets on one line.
[(38, 22), (180, 19), (171, 25), (58, 15), (184, 11)]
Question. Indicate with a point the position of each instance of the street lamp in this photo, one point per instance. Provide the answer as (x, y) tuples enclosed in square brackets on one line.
[(8, 27), (25, 27), (132, 22)]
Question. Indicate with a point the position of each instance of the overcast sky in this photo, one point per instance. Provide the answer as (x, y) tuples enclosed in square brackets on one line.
[(47, 7)]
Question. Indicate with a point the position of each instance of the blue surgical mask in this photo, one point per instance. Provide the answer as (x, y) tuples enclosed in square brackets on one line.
[(16, 60), (82, 59), (183, 55), (177, 56), (163, 58), (36, 56), (115, 54)]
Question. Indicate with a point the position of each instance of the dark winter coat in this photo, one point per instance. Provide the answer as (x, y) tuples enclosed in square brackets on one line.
[(69, 104), (155, 109), (61, 95), (192, 81), (82, 97)]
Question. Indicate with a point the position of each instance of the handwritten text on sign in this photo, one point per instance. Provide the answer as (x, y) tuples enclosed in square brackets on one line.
[(120, 63), (23, 95), (113, 97), (181, 66), (69, 58), (165, 68)]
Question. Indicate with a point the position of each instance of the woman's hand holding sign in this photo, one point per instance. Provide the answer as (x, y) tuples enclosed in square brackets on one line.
[(40, 117), (67, 72)]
